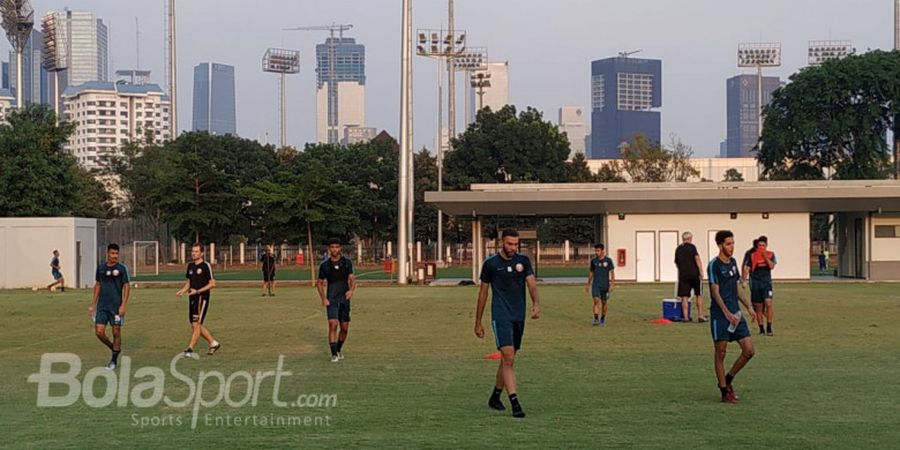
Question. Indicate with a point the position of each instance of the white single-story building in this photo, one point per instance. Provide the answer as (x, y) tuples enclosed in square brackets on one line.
[(641, 223), (27, 244)]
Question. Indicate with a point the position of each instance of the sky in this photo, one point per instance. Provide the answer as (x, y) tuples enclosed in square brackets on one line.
[(549, 46)]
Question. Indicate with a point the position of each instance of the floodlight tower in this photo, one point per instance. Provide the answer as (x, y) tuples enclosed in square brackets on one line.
[(282, 61), (404, 209), (759, 55), (473, 59), (481, 80), (442, 46), (18, 21), (54, 54), (821, 51)]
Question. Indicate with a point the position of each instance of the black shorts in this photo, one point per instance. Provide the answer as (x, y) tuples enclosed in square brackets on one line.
[(508, 333), (268, 275), (686, 286), (760, 291), (338, 309), (199, 305)]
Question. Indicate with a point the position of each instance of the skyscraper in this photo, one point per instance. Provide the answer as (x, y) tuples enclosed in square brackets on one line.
[(624, 93), (35, 87), (743, 113), (571, 122), (214, 104), (496, 96), (346, 107), (76, 48)]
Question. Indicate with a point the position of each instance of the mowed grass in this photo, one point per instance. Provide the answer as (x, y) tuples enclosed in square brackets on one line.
[(414, 376)]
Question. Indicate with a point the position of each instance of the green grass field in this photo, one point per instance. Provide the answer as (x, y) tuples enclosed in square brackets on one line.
[(414, 376)]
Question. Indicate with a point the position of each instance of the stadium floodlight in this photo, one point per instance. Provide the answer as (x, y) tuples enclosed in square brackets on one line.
[(282, 61), (479, 81), (18, 21), (759, 55), (450, 46), (821, 51)]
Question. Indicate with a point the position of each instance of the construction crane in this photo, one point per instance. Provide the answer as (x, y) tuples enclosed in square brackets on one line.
[(338, 28), (629, 53)]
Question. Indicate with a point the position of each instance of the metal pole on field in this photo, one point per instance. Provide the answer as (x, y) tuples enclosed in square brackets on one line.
[(405, 144)]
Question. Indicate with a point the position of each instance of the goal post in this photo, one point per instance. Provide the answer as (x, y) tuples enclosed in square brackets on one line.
[(147, 254)]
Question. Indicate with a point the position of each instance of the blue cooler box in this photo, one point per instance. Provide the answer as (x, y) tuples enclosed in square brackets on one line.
[(671, 309)]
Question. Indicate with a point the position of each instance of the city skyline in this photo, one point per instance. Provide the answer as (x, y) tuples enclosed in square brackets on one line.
[(697, 43)]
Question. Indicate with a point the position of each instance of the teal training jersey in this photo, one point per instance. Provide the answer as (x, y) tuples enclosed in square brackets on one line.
[(507, 279), (112, 279), (601, 268), (726, 276)]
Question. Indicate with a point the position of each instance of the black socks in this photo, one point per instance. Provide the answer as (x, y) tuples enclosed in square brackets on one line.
[(728, 379), (340, 345), (334, 348)]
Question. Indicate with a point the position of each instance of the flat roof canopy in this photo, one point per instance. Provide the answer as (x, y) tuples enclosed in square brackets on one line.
[(566, 199)]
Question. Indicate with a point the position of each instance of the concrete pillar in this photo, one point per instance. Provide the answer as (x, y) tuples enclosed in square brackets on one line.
[(475, 267), (537, 255), (566, 251), (390, 250), (241, 250), (418, 251), (212, 253), (358, 252), (181, 257)]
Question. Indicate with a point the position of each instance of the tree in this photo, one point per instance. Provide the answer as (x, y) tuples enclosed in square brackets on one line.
[(578, 170), (733, 174), (501, 147), (645, 161), (37, 177), (833, 119), (193, 183), (611, 172)]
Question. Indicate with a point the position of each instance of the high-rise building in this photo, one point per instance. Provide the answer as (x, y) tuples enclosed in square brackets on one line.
[(35, 89), (76, 48), (214, 104), (496, 96), (107, 115), (571, 122), (4, 75), (345, 105), (624, 95), (743, 112)]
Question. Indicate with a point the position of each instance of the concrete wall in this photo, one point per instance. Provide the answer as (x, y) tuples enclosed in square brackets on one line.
[(885, 262), (788, 235), (26, 246)]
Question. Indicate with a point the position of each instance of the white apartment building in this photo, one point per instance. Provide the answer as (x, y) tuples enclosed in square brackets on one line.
[(107, 115), (351, 110), (571, 122)]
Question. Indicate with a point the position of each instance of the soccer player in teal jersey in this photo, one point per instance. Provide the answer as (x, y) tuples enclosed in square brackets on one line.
[(726, 321), (507, 273), (601, 281), (110, 302)]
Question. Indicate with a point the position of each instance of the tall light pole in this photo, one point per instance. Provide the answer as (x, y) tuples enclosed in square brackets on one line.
[(441, 46), (405, 144), (18, 21), (54, 55), (481, 80), (451, 77), (473, 59), (759, 55), (173, 72), (282, 61)]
